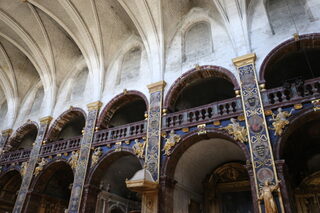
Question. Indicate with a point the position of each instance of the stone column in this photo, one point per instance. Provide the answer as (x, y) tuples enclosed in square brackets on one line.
[(287, 192), (5, 134), (26, 181), (259, 141), (81, 169), (146, 181)]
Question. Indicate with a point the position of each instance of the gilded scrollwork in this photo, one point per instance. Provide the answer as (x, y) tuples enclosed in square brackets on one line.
[(23, 169), (280, 121), (138, 148), (40, 166), (74, 159), (95, 156), (171, 142), (238, 132)]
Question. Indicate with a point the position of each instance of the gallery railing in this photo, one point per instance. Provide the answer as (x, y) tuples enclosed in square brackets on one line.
[(14, 156), (292, 94), (60, 146), (202, 114), (124, 132)]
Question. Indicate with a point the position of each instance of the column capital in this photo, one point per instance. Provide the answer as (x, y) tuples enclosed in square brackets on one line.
[(94, 106), (46, 120), (7, 132), (157, 86), (244, 60)]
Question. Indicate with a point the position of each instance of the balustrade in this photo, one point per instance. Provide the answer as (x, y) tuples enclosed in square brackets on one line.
[(61, 146), (217, 110), (292, 93), (15, 155), (127, 131)]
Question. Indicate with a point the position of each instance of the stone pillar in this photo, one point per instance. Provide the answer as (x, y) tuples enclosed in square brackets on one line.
[(81, 170), (259, 141), (286, 190), (152, 159), (5, 134), (26, 181), (146, 181)]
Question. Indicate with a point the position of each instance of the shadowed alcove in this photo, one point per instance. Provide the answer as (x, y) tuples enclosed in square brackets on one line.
[(9, 185), (51, 189)]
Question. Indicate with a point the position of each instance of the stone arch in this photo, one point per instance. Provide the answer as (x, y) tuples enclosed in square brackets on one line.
[(117, 103), (95, 181), (190, 139), (306, 41), (196, 74), (63, 120), (296, 121), (51, 187), (172, 167), (15, 139), (9, 185)]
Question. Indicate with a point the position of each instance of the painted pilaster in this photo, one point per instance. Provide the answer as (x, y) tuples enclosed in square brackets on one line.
[(259, 142), (81, 169), (26, 181), (152, 160), (146, 181), (5, 134)]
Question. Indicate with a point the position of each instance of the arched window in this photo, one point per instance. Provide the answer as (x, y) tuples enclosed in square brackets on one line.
[(130, 67), (197, 41), (286, 14), (79, 85), (38, 98)]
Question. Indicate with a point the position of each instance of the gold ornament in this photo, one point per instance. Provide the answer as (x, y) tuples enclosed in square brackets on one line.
[(138, 148), (74, 159), (280, 121), (238, 132), (171, 142), (24, 166), (40, 166), (267, 197), (95, 156)]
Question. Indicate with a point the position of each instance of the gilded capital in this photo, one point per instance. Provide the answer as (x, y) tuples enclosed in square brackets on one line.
[(6, 132), (46, 120), (155, 87), (94, 106), (244, 60)]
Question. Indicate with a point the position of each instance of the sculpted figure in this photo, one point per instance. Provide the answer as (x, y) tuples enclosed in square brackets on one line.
[(40, 166), (24, 166), (74, 159), (95, 156), (138, 148), (171, 142), (267, 197), (280, 121), (238, 132)]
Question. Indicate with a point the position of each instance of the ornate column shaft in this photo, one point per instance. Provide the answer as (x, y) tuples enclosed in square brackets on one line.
[(26, 181), (259, 142), (152, 160), (5, 134), (82, 165), (146, 181)]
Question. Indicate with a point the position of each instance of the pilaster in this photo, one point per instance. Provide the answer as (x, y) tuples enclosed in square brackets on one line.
[(152, 160), (81, 170), (26, 181), (262, 160)]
